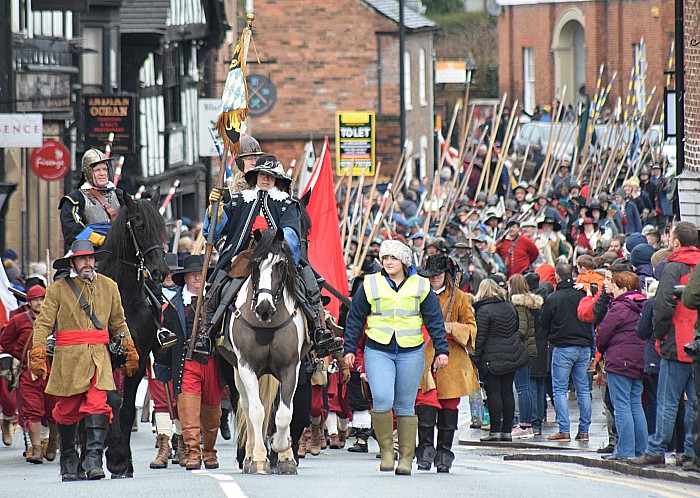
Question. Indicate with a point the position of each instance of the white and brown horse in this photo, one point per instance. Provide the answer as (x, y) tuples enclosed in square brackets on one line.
[(265, 334)]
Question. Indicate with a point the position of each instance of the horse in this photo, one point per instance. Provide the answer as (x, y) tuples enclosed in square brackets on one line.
[(266, 334), (136, 262)]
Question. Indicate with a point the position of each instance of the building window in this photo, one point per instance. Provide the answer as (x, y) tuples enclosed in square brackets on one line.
[(528, 80), (423, 162), (640, 73), (422, 91), (92, 58), (408, 104)]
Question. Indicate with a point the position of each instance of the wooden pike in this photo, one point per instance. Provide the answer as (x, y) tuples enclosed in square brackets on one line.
[(544, 169), (522, 168), (510, 130), (487, 161), (346, 206), (356, 208), (368, 213)]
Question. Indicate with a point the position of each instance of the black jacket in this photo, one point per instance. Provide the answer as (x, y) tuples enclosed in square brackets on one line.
[(499, 349), (559, 317)]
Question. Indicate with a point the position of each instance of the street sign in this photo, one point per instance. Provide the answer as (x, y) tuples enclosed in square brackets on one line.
[(21, 130), (450, 72), (355, 142), (51, 161), (208, 114)]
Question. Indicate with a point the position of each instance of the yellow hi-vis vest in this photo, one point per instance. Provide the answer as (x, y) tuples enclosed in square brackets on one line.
[(396, 312)]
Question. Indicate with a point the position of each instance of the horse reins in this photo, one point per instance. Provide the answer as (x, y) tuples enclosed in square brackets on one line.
[(143, 272)]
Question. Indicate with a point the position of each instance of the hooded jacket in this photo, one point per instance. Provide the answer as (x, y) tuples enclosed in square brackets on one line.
[(674, 323), (617, 338), (528, 307), (559, 318), (498, 349)]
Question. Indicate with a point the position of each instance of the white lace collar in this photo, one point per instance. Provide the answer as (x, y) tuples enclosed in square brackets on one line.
[(250, 194), (88, 186)]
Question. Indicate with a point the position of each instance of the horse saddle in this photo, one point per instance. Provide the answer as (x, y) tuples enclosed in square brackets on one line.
[(240, 265)]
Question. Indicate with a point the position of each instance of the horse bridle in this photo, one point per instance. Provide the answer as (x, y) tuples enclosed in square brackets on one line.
[(276, 295), (142, 270)]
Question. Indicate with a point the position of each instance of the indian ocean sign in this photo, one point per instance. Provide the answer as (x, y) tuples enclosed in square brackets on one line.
[(21, 130)]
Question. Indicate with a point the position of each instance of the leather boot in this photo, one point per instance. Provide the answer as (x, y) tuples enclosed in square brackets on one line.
[(180, 451), (188, 407), (316, 437), (224, 426), (304, 443), (6, 431), (35, 455), (161, 459), (69, 454), (447, 425), (425, 451), (360, 446), (342, 438), (407, 426), (95, 437), (211, 418), (384, 432), (52, 446)]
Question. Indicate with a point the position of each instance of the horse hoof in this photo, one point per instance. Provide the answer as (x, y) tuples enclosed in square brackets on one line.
[(260, 468), (247, 465), (119, 476), (287, 467)]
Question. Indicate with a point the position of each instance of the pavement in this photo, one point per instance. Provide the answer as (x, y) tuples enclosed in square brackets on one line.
[(540, 449)]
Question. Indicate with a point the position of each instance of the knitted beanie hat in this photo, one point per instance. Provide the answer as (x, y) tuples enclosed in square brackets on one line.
[(397, 249)]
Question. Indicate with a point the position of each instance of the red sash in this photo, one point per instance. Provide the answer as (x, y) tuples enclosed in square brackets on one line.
[(74, 337)]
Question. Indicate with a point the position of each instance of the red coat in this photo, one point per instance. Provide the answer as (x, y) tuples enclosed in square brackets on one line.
[(524, 254), (15, 335)]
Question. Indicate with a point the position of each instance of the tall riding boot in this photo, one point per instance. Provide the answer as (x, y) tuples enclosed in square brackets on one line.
[(96, 426), (203, 344), (224, 424), (407, 426), (211, 418), (188, 407), (6, 431), (52, 446), (447, 425), (34, 454), (384, 432), (425, 451), (69, 454)]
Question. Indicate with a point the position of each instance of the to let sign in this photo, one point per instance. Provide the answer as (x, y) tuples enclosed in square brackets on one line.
[(51, 161), (355, 142), (21, 130), (105, 114)]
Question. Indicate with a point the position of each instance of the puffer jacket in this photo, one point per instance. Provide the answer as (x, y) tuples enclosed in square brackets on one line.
[(617, 338), (498, 349), (528, 307)]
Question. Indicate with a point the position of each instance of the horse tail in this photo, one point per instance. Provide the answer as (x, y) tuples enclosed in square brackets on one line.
[(268, 393)]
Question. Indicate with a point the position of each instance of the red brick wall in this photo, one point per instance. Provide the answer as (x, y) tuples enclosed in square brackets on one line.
[(692, 85), (611, 30)]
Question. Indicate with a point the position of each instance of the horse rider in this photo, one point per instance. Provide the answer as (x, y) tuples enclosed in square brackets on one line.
[(36, 404), (247, 155), (87, 213), (86, 312), (266, 203)]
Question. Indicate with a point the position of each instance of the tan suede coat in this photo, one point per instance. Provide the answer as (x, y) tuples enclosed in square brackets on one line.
[(74, 366), (459, 378)]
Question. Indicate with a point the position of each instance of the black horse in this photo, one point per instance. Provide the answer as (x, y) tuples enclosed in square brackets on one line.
[(136, 262)]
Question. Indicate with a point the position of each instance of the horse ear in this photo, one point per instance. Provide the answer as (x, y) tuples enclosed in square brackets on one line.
[(257, 235), (128, 200), (306, 198), (155, 195), (280, 234)]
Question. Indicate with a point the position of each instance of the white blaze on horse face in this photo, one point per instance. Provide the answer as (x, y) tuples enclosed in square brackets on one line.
[(265, 280)]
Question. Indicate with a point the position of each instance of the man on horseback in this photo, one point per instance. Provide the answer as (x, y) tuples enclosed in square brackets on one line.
[(88, 212), (267, 203), (81, 372)]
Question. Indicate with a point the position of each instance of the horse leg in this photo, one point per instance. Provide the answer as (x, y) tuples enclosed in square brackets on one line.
[(116, 456), (256, 417), (127, 415), (248, 440), (281, 441)]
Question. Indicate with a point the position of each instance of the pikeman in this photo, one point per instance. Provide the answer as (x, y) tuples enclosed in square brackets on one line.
[(36, 404), (245, 161), (87, 213), (86, 311)]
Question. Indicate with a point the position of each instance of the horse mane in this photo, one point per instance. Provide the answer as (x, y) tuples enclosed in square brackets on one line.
[(119, 243), (270, 244)]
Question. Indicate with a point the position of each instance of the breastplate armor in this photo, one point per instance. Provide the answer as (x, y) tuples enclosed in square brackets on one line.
[(94, 212)]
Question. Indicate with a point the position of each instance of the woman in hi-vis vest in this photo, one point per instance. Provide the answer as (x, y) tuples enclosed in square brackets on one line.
[(394, 304)]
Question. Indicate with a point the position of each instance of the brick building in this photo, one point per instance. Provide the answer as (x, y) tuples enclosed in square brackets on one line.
[(546, 44), (318, 58)]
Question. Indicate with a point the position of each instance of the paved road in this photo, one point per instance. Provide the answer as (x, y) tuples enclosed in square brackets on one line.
[(477, 472)]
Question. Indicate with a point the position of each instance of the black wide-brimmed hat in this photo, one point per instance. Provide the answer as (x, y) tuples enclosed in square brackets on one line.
[(77, 248), (550, 221), (268, 164), (191, 264), (436, 264)]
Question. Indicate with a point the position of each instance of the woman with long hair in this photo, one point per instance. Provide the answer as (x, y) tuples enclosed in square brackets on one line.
[(440, 392), (528, 306), (498, 354)]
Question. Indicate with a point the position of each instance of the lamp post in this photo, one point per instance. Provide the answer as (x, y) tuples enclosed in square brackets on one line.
[(402, 73)]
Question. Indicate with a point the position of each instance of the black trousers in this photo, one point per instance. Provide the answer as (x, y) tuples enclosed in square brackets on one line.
[(501, 402)]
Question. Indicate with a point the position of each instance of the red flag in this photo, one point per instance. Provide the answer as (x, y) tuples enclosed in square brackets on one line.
[(325, 249)]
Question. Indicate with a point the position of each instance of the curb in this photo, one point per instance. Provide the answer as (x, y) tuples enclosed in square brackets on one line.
[(622, 468), (518, 445)]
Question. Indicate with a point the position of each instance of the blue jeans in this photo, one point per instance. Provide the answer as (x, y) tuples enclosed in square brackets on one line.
[(571, 361), (631, 424), (394, 379), (522, 386), (675, 378), (539, 401)]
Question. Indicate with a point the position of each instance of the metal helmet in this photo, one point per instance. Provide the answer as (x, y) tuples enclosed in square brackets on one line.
[(512, 205), (92, 158), (492, 200), (481, 197), (249, 147)]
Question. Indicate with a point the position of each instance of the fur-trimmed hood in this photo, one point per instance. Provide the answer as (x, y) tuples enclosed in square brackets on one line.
[(528, 300)]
